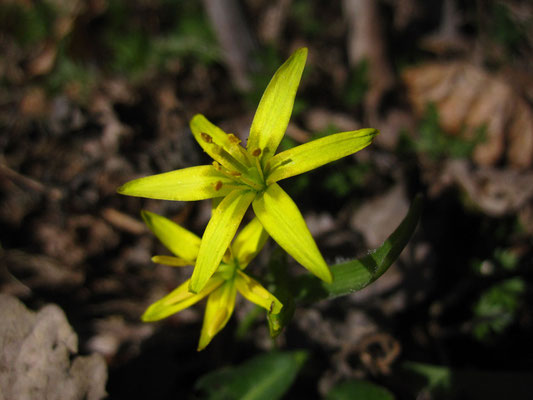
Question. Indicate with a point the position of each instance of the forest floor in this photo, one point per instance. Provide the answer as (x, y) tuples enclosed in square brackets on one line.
[(94, 94)]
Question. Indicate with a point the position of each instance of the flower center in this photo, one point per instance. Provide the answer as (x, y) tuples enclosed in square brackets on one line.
[(237, 163)]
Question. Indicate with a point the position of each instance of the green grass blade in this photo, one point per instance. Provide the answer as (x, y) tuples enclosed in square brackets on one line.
[(351, 276)]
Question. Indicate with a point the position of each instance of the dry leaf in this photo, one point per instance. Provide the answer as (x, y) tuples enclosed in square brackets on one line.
[(468, 98)]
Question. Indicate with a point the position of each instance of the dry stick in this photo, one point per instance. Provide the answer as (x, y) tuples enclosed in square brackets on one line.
[(234, 37), (366, 42), (29, 183)]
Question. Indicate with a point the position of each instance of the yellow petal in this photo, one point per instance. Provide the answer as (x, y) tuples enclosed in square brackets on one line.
[(249, 242), (220, 305), (188, 184), (284, 222), (314, 154), (171, 261), (256, 293), (179, 299), (275, 108), (178, 240), (218, 235), (207, 134)]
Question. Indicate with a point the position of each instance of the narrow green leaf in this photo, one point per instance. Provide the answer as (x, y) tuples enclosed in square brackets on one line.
[(275, 108), (356, 389), (178, 240), (314, 154), (355, 275), (218, 234), (265, 377), (188, 184), (284, 222)]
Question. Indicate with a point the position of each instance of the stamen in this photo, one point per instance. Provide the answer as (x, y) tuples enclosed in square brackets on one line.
[(227, 160), (218, 185), (236, 176), (237, 151), (251, 183), (206, 137), (256, 152), (233, 139)]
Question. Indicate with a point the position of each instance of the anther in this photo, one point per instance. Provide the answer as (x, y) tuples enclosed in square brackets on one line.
[(218, 185), (233, 139), (256, 152), (206, 137)]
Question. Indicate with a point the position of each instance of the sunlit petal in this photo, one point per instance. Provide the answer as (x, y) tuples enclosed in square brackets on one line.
[(284, 222), (178, 240), (220, 305), (314, 154), (187, 184), (275, 108), (249, 242), (218, 234), (256, 293), (179, 299), (207, 134)]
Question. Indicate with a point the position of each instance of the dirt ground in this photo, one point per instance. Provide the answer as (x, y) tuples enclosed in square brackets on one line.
[(95, 93)]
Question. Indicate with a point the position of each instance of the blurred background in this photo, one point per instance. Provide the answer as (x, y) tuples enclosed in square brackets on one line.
[(95, 93)]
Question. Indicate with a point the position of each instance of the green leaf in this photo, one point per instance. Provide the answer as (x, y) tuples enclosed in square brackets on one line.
[(265, 377), (355, 275), (275, 108), (497, 307), (356, 389), (436, 376), (316, 153)]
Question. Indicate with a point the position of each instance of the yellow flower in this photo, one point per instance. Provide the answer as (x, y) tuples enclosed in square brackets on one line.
[(222, 287), (244, 176)]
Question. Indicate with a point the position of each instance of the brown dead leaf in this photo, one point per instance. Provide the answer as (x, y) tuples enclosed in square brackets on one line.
[(34, 102), (123, 221), (468, 98), (496, 192), (44, 61)]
